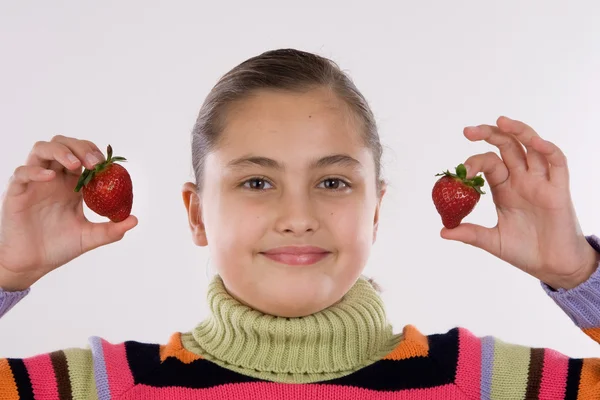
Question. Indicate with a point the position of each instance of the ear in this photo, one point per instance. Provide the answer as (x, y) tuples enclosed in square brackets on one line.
[(192, 203), (377, 209)]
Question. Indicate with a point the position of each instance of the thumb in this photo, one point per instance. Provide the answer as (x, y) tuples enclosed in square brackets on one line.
[(103, 233), (475, 235)]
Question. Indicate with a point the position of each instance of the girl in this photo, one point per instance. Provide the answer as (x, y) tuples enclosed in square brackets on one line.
[(287, 196)]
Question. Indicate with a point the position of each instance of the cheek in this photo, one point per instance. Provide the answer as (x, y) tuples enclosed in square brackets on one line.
[(351, 223), (232, 226)]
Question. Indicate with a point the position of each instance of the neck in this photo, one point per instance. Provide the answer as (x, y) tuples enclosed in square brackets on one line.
[(347, 336)]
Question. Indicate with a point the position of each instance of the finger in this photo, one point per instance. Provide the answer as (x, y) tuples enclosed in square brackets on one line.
[(86, 151), (26, 174), (68, 152), (511, 150), (559, 169), (58, 167), (43, 154), (536, 162), (103, 233), (491, 165), (487, 239)]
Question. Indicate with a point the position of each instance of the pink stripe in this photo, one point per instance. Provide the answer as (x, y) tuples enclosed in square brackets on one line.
[(117, 369), (276, 391), (468, 372), (554, 375), (42, 377)]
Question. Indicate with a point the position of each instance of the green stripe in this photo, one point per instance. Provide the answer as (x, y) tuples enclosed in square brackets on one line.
[(81, 373), (510, 371)]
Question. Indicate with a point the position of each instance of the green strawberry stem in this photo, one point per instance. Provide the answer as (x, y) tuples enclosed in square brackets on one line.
[(88, 174), (461, 173)]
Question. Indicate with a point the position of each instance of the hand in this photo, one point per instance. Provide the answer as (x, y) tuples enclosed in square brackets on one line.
[(537, 230), (42, 225)]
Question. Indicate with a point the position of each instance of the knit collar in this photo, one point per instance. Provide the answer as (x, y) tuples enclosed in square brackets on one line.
[(334, 342)]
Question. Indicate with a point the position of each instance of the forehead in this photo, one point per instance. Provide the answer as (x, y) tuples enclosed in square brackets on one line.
[(284, 121)]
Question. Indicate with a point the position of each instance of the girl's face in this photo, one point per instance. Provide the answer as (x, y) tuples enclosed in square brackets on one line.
[(291, 173)]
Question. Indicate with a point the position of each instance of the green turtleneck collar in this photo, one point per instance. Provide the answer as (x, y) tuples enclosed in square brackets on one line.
[(331, 343)]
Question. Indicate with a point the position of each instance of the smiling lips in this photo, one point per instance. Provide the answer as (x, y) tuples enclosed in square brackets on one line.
[(296, 255)]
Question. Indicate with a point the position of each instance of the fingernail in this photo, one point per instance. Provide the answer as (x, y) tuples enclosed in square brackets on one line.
[(92, 159), (72, 159)]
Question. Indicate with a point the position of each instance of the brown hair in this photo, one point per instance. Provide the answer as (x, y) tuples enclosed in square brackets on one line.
[(283, 69)]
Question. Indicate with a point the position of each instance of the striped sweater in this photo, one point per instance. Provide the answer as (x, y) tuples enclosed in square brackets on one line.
[(348, 351)]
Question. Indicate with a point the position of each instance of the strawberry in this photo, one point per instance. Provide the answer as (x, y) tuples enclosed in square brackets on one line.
[(107, 189), (455, 196)]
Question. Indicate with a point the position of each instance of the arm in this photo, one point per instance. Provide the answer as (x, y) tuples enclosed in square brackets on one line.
[(582, 303), (491, 368), (61, 374), (8, 299)]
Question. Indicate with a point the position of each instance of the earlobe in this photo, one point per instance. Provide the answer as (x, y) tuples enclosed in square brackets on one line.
[(191, 200)]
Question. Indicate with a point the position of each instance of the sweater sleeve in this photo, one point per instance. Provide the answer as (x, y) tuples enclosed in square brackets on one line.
[(491, 368), (9, 299), (63, 374)]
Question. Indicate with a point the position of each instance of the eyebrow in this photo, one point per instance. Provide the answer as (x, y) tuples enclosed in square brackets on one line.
[(342, 160)]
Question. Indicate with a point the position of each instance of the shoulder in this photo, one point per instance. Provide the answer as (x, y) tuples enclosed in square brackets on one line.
[(121, 366), (489, 366)]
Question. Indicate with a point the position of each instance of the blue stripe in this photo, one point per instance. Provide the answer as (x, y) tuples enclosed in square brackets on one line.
[(100, 374), (487, 365)]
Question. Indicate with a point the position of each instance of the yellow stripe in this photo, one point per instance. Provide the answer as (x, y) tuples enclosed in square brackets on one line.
[(81, 374), (510, 370)]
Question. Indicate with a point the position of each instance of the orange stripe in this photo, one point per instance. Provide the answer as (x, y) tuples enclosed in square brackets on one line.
[(413, 344), (588, 383), (175, 349), (8, 386), (594, 333)]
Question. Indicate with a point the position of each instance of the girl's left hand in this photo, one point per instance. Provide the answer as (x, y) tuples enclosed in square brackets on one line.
[(537, 230)]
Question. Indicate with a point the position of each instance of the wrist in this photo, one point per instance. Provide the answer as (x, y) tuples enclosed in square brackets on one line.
[(590, 265), (14, 282)]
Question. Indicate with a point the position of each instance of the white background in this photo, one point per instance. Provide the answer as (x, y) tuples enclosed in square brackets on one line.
[(134, 74)]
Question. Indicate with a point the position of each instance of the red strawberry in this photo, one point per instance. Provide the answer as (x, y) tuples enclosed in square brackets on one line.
[(107, 189), (455, 196)]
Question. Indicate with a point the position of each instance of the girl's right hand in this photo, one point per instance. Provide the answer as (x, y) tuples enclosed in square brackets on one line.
[(42, 224)]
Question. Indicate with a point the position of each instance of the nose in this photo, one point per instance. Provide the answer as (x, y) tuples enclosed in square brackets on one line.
[(296, 215)]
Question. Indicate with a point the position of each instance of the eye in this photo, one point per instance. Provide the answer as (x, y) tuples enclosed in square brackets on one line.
[(256, 184), (334, 184)]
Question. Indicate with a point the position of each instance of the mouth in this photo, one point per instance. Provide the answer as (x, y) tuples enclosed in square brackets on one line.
[(296, 255)]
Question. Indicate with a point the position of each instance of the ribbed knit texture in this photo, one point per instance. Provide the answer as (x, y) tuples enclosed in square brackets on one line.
[(345, 352), (9, 299), (325, 345)]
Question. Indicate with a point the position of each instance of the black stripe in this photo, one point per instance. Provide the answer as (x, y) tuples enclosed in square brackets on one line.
[(142, 359), (146, 368), (439, 368), (573, 378), (200, 374), (19, 371)]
